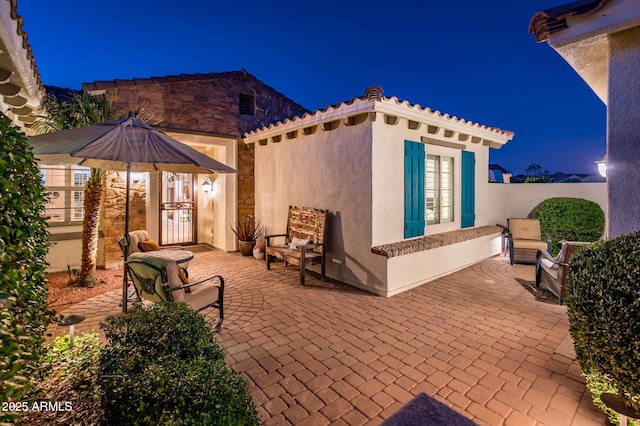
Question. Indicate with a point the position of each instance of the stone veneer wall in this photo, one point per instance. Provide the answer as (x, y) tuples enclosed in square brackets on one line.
[(246, 182), (114, 215), (209, 104)]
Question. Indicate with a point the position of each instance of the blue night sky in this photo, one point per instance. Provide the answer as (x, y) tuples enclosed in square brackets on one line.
[(472, 59)]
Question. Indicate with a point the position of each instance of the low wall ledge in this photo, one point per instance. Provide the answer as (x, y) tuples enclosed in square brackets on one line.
[(434, 241)]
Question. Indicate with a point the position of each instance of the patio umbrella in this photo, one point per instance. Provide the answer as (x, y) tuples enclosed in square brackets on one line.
[(123, 144)]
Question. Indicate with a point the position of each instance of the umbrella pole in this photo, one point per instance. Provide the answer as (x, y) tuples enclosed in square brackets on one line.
[(125, 284)]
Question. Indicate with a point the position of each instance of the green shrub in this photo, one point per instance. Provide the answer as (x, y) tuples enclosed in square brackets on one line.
[(69, 375), (163, 365), (604, 314), (23, 248), (571, 219)]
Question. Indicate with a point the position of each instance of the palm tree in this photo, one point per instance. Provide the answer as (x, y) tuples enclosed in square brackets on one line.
[(83, 109)]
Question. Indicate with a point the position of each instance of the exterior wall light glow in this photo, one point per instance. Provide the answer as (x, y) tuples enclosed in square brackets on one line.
[(207, 184), (602, 166)]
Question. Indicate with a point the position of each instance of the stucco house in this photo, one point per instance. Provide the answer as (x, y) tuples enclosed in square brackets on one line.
[(600, 39), (208, 112), (406, 188)]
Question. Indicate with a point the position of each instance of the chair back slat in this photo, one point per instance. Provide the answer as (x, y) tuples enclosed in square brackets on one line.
[(307, 223)]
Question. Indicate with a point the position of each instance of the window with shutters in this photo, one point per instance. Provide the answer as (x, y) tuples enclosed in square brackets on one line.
[(439, 189)]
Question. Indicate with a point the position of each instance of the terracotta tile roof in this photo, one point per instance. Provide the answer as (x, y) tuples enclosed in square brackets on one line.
[(374, 94), (25, 42), (552, 20)]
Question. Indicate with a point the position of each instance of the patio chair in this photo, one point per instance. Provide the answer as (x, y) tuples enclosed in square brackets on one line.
[(138, 239), (551, 273), (525, 241), (304, 241), (157, 280)]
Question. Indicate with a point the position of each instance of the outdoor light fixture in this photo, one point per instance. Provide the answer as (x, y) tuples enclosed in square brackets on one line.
[(137, 177), (602, 165), (207, 184), (70, 321)]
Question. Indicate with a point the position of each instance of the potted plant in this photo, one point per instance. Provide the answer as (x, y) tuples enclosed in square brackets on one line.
[(247, 231)]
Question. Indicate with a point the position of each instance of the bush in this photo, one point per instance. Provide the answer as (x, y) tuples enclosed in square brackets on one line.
[(23, 248), (571, 219), (604, 314), (69, 375), (163, 365)]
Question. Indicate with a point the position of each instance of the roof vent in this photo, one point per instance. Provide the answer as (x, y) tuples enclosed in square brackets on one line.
[(373, 93)]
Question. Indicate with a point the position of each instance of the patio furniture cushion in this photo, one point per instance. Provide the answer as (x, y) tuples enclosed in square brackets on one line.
[(530, 244), (148, 245), (298, 243), (525, 240), (135, 238), (525, 229)]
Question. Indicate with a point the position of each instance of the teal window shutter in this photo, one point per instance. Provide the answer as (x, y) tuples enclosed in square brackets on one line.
[(468, 202), (413, 189)]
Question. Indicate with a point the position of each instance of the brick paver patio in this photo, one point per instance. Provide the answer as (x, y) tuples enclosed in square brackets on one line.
[(327, 353)]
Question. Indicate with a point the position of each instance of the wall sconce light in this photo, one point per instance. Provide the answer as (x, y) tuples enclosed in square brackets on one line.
[(207, 184), (602, 165), (136, 177)]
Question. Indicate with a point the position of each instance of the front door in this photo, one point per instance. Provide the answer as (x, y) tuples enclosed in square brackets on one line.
[(178, 210)]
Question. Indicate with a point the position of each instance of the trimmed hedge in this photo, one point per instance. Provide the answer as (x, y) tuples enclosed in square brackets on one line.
[(163, 365), (604, 314), (571, 219), (24, 243)]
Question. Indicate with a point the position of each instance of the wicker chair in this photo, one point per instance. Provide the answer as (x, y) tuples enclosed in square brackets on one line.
[(524, 240), (551, 273), (158, 280)]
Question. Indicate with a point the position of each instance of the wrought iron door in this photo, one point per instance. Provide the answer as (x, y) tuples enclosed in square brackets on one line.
[(178, 210)]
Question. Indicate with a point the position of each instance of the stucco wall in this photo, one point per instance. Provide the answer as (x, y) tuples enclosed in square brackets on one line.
[(328, 170), (518, 200), (623, 132)]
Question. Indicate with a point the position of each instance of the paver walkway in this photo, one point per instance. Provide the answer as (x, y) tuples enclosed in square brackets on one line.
[(327, 353)]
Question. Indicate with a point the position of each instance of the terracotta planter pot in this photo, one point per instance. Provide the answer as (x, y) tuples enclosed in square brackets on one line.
[(246, 247)]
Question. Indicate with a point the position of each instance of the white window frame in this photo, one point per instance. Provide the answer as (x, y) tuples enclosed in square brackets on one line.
[(66, 196), (457, 187)]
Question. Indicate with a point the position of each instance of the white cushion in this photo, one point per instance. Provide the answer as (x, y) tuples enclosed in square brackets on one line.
[(298, 243)]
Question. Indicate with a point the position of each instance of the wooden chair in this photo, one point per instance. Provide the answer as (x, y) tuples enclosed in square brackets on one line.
[(158, 280), (525, 240), (551, 273), (304, 241)]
